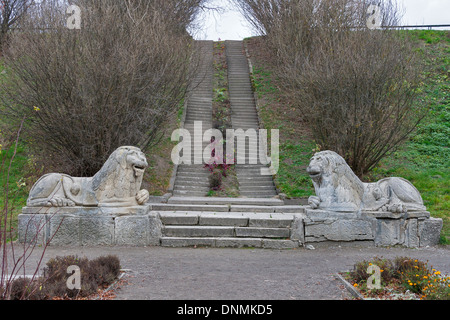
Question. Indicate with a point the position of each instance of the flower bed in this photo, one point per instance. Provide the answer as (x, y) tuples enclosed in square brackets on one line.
[(402, 278)]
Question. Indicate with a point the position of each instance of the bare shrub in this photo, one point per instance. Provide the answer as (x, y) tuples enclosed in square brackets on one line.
[(114, 82), (10, 13), (356, 87), (95, 273)]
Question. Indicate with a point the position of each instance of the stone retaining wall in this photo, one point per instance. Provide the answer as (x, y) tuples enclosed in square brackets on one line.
[(140, 226)]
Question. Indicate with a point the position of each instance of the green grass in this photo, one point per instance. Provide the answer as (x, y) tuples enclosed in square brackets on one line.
[(13, 172), (296, 148), (424, 159)]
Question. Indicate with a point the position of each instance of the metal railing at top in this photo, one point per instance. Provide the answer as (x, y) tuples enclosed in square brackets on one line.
[(427, 26)]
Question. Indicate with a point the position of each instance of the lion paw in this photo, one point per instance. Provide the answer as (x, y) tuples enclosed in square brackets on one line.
[(142, 197), (394, 208), (60, 202), (314, 202)]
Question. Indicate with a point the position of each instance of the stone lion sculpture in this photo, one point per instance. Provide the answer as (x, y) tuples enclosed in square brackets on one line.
[(339, 189), (118, 183)]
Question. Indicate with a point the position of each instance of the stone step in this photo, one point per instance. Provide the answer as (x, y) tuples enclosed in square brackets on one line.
[(182, 187), (212, 242), (255, 180), (194, 172), (255, 194), (188, 193), (257, 189), (222, 203), (192, 176), (185, 205), (192, 179), (225, 231), (233, 219)]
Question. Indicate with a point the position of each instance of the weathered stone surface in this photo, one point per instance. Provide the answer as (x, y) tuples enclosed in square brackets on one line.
[(298, 229), (64, 230), (271, 221), (33, 228), (238, 243), (198, 231), (179, 218), (187, 242), (117, 184), (262, 232), (132, 231), (390, 232), (279, 244), (429, 231), (225, 219), (338, 230), (97, 231), (155, 229), (411, 238), (291, 209)]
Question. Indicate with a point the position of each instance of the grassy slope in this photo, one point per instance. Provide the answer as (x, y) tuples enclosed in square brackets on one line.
[(424, 159)]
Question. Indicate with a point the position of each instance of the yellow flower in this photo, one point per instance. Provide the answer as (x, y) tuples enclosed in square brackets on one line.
[(355, 285), (36, 109), (438, 273)]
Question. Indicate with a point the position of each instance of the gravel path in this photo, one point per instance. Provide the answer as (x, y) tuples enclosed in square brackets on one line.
[(240, 274)]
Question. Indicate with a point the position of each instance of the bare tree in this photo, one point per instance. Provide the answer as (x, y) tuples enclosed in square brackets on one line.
[(354, 85), (10, 13), (114, 82)]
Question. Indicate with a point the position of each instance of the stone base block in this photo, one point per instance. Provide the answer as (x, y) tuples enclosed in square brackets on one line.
[(412, 230), (135, 226)]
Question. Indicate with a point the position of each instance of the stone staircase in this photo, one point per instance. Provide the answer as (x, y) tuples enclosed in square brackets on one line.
[(192, 180), (232, 223), (244, 116), (256, 219)]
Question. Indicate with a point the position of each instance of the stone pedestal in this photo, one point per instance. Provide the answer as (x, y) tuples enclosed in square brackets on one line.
[(412, 229), (81, 226)]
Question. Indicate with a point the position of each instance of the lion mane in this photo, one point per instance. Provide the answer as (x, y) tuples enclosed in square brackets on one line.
[(336, 185)]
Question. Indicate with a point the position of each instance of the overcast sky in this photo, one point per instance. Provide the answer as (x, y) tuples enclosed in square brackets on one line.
[(230, 25)]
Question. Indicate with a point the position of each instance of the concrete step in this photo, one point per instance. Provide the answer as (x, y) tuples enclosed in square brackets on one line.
[(223, 242), (233, 219), (181, 187), (189, 193), (185, 205), (223, 204), (225, 231)]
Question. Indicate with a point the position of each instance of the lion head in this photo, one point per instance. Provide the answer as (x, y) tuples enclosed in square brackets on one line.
[(121, 175), (337, 187)]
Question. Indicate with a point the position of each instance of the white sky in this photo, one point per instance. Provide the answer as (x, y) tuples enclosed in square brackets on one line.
[(230, 25)]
